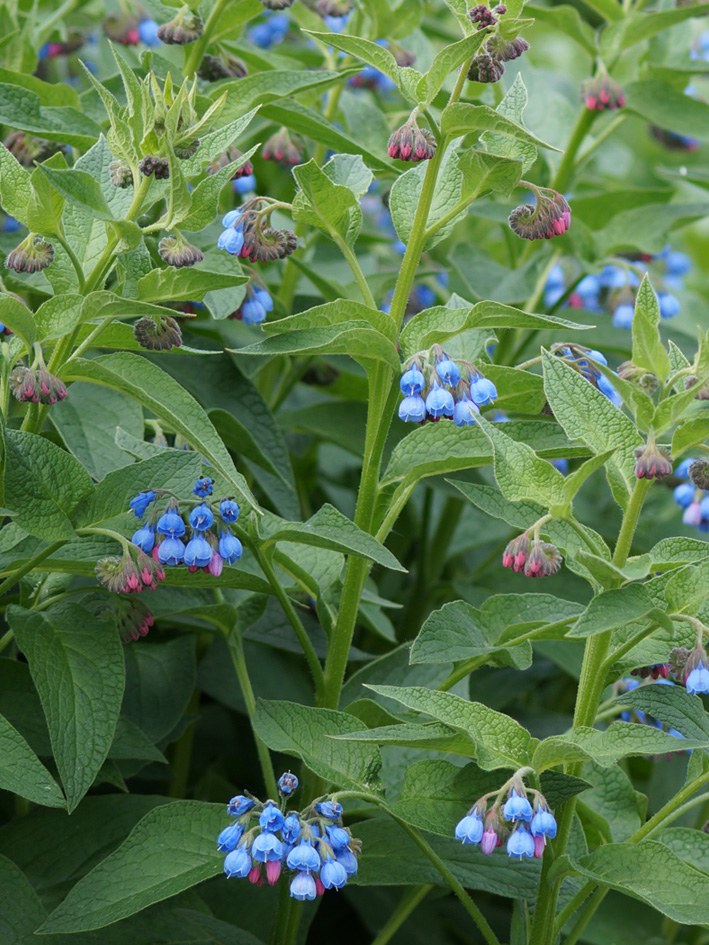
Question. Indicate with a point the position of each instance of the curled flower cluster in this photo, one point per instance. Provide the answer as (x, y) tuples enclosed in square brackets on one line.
[(582, 360), (312, 844), (549, 217), (228, 157), (601, 93), (157, 332), (692, 495), (185, 28), (257, 302), (223, 66), (36, 385), (525, 826), (152, 164), (247, 233), (615, 287), (177, 252), (132, 573), (535, 558), (652, 461), (212, 542), (133, 620), (32, 255), (284, 148), (487, 66), (411, 143), (434, 387)]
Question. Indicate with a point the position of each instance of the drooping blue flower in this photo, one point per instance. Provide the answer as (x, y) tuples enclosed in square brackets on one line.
[(148, 32), (303, 857), (144, 538), (613, 277), (198, 552), (517, 807), (331, 810), (244, 185), (412, 381), (448, 371), (271, 818), (698, 680), (267, 847), (237, 863), (333, 875), (203, 487), (412, 409), (230, 217), (287, 783), (303, 887), (229, 510), (605, 387), (684, 494), (229, 838), (624, 315), (470, 828), (678, 264), (252, 312), (232, 240), (291, 829), (520, 843), (201, 517), (561, 464), (348, 860), (171, 524), (439, 402), (669, 305), (682, 471), (338, 836), (263, 297), (239, 805), (229, 547), (465, 412), (171, 551), (482, 390), (140, 503), (543, 824)]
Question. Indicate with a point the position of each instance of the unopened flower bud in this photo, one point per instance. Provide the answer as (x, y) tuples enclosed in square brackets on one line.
[(120, 174), (601, 93), (515, 554), (699, 473), (702, 391), (214, 68), (551, 216), (652, 462), (186, 151), (178, 252), (485, 68), (482, 17), (284, 148), (641, 378), (543, 560), (404, 57), (411, 143), (185, 28), (157, 334), (32, 255), (228, 157), (122, 29), (336, 8), (30, 149), (505, 50), (152, 164)]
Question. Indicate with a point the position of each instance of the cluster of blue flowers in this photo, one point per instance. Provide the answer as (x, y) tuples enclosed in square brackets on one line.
[(269, 31), (313, 844), (582, 359), (525, 826), (434, 386), (615, 287), (212, 542), (693, 500)]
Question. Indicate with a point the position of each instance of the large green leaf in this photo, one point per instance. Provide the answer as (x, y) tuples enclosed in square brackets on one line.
[(22, 772)]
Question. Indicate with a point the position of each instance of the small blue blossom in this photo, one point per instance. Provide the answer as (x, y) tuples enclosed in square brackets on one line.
[(230, 217), (339, 838), (263, 297), (520, 843), (412, 381), (517, 807), (303, 887), (605, 387), (237, 863), (669, 305), (252, 312), (613, 277), (684, 494), (141, 502), (543, 824), (171, 551), (678, 264), (562, 465), (171, 524), (470, 828), (271, 818), (144, 538), (482, 390), (333, 875), (303, 857), (331, 810), (239, 805), (347, 858), (229, 547), (10, 225), (266, 848), (412, 409), (287, 783), (291, 829), (231, 240), (229, 838), (439, 402), (448, 371), (198, 552), (203, 487), (698, 680), (624, 315), (229, 510), (465, 412), (201, 517), (426, 295), (148, 32)]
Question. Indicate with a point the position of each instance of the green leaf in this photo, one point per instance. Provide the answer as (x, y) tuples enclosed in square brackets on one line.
[(444, 63), (648, 350), (672, 552), (404, 196), (576, 479), (337, 312), (269, 86), (500, 741), (687, 589), (79, 187), (169, 401), (649, 871), (586, 414), (79, 676), (205, 197), (483, 172), (355, 338), (43, 485), (23, 109), (22, 909), (15, 187), (436, 325), (406, 78), (673, 706), (306, 732), (171, 849), (328, 528), (23, 773), (160, 679), (58, 316), (462, 119), (520, 473), (184, 285), (690, 434), (16, 316), (619, 740), (613, 609), (331, 207), (569, 21), (512, 107)]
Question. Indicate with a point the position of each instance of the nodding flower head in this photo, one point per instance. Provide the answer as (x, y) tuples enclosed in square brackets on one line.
[(470, 828), (693, 669), (127, 575), (284, 148), (177, 252), (203, 487), (36, 385), (229, 510), (185, 28), (239, 804), (543, 560), (152, 164), (214, 68), (411, 143), (157, 333), (520, 843), (505, 50), (485, 68), (550, 217), (652, 462), (482, 17), (515, 554), (227, 157), (32, 255), (601, 93)]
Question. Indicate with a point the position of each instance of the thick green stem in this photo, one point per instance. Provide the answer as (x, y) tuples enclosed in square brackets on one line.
[(29, 565), (586, 916), (565, 171), (199, 47), (408, 902)]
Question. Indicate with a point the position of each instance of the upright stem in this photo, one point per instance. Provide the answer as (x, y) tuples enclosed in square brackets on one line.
[(565, 171), (408, 902), (198, 48)]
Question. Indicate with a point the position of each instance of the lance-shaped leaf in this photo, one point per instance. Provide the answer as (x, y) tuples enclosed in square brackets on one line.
[(462, 119), (22, 772), (648, 350)]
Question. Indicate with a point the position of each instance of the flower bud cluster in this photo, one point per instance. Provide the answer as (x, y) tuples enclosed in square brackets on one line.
[(157, 332), (487, 66), (228, 157), (133, 620), (525, 825), (315, 848), (185, 28), (212, 543), (436, 387), (411, 143), (535, 558), (693, 496), (36, 385), (153, 164), (601, 93), (247, 233), (32, 255), (284, 148), (549, 217), (132, 573), (177, 252), (652, 461), (224, 66)]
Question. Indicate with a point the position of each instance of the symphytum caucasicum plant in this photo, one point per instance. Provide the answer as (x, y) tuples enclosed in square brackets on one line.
[(325, 326)]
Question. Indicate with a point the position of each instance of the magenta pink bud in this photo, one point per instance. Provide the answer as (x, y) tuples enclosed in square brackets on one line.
[(489, 842), (539, 843), (255, 876), (319, 888), (273, 871), (216, 565)]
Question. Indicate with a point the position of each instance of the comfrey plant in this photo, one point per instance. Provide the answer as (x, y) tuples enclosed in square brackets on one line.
[(297, 390)]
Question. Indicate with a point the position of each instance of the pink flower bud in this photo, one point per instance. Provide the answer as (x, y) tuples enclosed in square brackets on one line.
[(273, 871), (489, 842), (539, 844)]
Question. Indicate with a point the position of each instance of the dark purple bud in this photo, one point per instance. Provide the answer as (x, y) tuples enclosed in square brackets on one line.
[(214, 68), (157, 334), (152, 164), (699, 473), (178, 252), (277, 4), (482, 17), (32, 255), (652, 462), (551, 216), (515, 554), (485, 68), (185, 28)]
